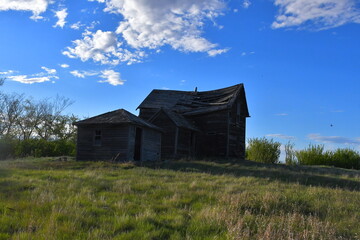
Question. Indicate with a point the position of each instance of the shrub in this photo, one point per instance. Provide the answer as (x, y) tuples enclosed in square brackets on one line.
[(263, 150), (6, 148), (43, 148), (313, 155), (346, 158)]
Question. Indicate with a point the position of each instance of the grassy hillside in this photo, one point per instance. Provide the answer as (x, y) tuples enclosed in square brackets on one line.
[(49, 199)]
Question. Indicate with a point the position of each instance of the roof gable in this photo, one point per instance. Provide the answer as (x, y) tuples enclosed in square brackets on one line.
[(119, 116)]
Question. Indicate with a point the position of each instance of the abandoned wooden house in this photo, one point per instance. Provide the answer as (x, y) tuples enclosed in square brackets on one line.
[(119, 136), (209, 123), (171, 124)]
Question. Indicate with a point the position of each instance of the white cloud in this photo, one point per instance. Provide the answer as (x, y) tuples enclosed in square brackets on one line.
[(83, 74), (92, 25), (61, 15), (49, 70), (317, 14), (40, 77), (64, 65), (78, 74), (111, 77), (28, 79), (247, 53), (35, 6), (333, 139), (182, 82), (7, 72), (102, 47), (214, 52), (246, 4), (153, 24), (76, 26), (281, 136), (148, 25), (108, 76)]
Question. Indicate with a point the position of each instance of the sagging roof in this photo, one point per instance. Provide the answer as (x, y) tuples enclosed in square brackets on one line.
[(119, 116), (177, 119), (194, 102)]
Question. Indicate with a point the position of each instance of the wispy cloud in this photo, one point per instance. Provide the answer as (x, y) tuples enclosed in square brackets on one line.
[(61, 15), (319, 14), (182, 82), (77, 25), (47, 75), (29, 80), (49, 70), (83, 74), (64, 65), (333, 139), (7, 72), (281, 136), (108, 76), (247, 53), (281, 114), (246, 4)]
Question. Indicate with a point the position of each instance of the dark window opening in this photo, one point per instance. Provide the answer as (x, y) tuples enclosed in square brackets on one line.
[(137, 149), (97, 138)]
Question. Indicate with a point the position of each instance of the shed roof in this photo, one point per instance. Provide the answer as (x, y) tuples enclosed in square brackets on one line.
[(194, 102), (119, 116), (177, 119)]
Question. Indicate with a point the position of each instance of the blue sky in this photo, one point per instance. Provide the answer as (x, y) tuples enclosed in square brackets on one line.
[(299, 59)]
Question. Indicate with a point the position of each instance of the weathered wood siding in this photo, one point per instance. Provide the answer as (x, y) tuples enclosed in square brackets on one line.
[(184, 143), (151, 145), (212, 141), (117, 141), (168, 136), (237, 129), (114, 141)]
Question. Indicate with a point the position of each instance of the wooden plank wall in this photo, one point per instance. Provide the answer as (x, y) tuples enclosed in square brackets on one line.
[(184, 143), (131, 142), (212, 141), (114, 141), (151, 145), (168, 136), (237, 131)]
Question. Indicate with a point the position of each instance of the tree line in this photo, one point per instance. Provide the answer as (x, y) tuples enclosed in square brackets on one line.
[(41, 124)]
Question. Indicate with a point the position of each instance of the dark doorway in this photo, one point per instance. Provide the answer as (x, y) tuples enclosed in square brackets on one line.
[(137, 150)]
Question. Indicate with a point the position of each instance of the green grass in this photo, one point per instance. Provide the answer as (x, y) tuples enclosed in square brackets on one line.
[(49, 199)]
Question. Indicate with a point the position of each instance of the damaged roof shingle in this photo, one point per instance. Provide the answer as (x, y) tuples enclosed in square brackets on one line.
[(194, 102)]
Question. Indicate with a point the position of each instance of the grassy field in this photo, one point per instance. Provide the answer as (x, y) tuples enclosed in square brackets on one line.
[(50, 199)]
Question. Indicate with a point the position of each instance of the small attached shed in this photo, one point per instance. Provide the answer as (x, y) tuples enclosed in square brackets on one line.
[(118, 135)]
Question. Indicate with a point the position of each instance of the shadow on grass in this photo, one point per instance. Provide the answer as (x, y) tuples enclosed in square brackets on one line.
[(304, 175)]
